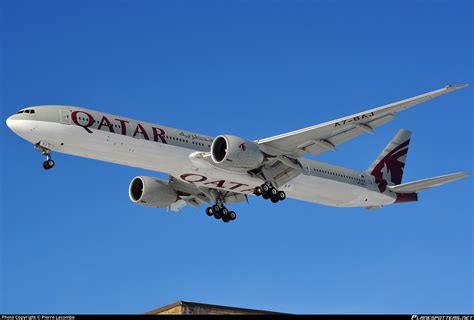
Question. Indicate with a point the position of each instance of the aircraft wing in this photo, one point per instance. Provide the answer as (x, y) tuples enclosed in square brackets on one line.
[(327, 136), (189, 194)]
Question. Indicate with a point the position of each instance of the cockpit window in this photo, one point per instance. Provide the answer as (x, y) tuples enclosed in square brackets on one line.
[(30, 111)]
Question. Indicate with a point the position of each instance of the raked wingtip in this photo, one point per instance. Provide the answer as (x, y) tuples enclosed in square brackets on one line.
[(457, 86)]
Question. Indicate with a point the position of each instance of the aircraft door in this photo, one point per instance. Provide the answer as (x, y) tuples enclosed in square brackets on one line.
[(65, 116), (366, 180), (370, 182)]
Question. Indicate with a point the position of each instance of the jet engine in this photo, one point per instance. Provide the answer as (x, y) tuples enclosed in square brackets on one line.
[(235, 152), (153, 192)]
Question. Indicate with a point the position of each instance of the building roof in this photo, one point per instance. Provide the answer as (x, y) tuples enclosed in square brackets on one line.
[(186, 307)]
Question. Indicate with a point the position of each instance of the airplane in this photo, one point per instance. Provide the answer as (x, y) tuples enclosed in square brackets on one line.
[(226, 169)]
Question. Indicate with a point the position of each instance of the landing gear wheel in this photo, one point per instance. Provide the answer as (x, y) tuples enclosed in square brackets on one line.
[(268, 191), (224, 212), (265, 188), (209, 211), (48, 164), (281, 195), (219, 211)]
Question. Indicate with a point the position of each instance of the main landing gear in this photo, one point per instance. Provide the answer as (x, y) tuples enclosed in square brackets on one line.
[(267, 191), (49, 163), (219, 211)]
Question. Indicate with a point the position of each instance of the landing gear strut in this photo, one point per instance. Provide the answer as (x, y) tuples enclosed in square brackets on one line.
[(268, 191), (49, 163), (219, 211)]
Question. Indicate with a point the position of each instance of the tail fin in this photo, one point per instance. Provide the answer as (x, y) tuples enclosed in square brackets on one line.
[(391, 162)]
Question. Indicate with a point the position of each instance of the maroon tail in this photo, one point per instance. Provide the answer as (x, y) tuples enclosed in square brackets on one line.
[(391, 162)]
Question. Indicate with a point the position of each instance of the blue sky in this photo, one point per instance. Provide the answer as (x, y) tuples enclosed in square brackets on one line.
[(71, 240)]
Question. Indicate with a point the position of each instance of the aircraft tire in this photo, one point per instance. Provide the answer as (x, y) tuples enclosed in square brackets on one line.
[(224, 211), (48, 164), (281, 195)]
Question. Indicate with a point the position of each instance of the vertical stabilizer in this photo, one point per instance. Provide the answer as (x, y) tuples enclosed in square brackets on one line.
[(391, 162)]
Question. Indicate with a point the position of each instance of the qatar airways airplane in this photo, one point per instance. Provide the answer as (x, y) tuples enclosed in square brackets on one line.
[(226, 169)]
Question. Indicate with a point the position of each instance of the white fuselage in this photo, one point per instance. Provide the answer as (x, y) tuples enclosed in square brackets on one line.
[(120, 140)]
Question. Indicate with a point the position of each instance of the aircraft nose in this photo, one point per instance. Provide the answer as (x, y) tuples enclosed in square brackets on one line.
[(23, 127), (11, 122), (18, 125)]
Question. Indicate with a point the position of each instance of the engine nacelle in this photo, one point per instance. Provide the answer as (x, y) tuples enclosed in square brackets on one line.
[(235, 152), (152, 192)]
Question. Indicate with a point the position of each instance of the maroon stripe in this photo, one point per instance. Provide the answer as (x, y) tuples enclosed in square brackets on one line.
[(406, 197)]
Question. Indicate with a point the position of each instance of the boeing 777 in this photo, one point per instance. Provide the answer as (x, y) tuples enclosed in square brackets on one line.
[(226, 169)]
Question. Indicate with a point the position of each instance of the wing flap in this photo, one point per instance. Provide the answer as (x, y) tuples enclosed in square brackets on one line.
[(418, 185)]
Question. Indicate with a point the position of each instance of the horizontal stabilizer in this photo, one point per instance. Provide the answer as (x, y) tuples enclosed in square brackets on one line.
[(415, 186)]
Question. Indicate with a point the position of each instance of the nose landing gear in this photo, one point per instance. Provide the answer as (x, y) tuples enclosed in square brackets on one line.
[(267, 191), (49, 163)]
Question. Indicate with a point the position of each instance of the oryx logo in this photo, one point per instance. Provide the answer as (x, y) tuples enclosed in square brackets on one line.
[(390, 168), (381, 184), (242, 146)]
